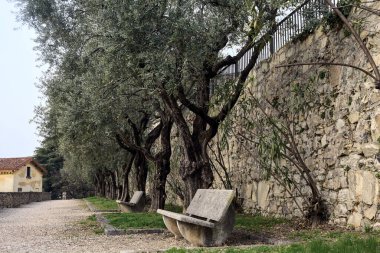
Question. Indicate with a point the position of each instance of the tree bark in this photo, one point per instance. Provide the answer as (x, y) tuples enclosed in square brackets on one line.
[(159, 182), (196, 175), (101, 187), (141, 166), (162, 166), (125, 196)]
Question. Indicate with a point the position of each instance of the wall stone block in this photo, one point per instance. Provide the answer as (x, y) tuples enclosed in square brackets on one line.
[(370, 213), (263, 194), (370, 188), (370, 149), (355, 220)]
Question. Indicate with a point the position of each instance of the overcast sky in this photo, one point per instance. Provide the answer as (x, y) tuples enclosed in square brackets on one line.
[(18, 93)]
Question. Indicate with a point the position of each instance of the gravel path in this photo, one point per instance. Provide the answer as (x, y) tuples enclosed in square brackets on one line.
[(53, 226)]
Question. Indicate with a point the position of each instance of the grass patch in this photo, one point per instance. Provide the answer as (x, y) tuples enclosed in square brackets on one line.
[(154, 220), (135, 220), (140, 220), (257, 223), (346, 244), (92, 224), (327, 235), (103, 204), (316, 234), (173, 208)]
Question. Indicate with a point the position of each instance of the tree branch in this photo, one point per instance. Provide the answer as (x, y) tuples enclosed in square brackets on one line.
[(327, 63), (195, 109), (241, 80)]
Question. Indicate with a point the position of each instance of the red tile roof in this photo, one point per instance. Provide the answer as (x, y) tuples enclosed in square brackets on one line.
[(17, 163)]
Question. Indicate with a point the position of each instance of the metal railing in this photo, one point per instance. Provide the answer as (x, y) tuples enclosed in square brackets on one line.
[(302, 19)]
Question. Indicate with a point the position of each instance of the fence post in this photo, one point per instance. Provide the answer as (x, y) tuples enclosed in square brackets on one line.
[(271, 45)]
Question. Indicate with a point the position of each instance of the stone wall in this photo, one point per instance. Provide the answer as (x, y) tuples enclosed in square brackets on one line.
[(15, 199), (340, 133)]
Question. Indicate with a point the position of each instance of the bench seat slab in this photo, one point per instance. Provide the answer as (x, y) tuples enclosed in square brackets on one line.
[(186, 219)]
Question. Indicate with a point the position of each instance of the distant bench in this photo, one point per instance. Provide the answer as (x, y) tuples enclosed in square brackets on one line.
[(208, 220), (136, 204)]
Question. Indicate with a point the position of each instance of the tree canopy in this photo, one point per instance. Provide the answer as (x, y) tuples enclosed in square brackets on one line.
[(118, 69)]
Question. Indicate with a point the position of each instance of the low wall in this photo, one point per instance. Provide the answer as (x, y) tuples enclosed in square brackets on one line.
[(15, 199)]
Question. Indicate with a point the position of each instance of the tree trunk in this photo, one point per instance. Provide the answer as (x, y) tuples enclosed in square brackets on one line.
[(159, 182), (196, 175), (125, 187), (141, 166), (101, 186), (113, 185), (162, 165), (195, 168)]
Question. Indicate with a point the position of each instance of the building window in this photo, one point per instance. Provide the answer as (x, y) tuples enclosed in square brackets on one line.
[(28, 172), (19, 189)]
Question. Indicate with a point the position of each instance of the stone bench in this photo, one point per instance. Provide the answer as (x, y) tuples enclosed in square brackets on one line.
[(208, 220), (136, 204)]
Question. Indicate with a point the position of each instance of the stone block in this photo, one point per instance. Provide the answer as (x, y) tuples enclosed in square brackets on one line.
[(355, 184), (375, 127), (332, 196), (370, 149), (254, 192), (324, 42), (309, 41), (332, 184), (340, 210), (289, 52), (354, 117), (340, 221), (364, 34), (376, 58), (363, 186), (319, 33), (374, 97), (355, 220), (278, 190), (263, 194), (272, 208), (350, 162), (340, 125), (335, 75), (370, 212), (324, 141), (248, 191), (370, 188), (344, 196)]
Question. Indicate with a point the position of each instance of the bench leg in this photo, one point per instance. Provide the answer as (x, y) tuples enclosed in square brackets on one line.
[(171, 225), (204, 236)]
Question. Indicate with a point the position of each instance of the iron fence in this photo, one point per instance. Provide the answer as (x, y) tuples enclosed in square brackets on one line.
[(302, 19)]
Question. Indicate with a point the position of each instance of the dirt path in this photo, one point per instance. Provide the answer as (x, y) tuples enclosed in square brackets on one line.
[(53, 226)]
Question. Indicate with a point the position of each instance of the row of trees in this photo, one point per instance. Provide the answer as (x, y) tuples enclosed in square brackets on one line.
[(123, 73)]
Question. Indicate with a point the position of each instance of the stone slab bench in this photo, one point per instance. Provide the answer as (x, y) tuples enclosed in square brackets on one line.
[(208, 220), (136, 204)]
